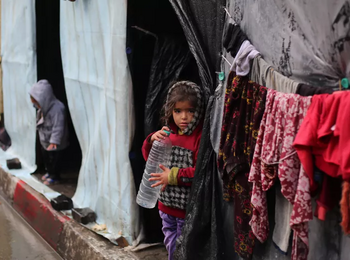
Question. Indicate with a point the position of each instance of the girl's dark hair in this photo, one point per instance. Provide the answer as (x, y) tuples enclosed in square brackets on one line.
[(180, 93)]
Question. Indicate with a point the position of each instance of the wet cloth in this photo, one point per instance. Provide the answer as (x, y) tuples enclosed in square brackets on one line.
[(275, 157), (51, 117), (307, 90), (172, 228), (233, 39), (282, 229), (324, 141), (345, 208), (216, 115), (243, 110), (241, 64), (325, 134), (265, 75)]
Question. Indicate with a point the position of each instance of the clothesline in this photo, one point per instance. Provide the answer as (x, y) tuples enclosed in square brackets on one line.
[(280, 116), (244, 53)]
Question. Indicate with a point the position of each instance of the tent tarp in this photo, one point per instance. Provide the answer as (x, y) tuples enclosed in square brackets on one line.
[(19, 73), (203, 234), (19, 67), (99, 94), (306, 40)]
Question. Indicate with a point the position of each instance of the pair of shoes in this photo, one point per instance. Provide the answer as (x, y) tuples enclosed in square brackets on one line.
[(45, 177), (50, 181)]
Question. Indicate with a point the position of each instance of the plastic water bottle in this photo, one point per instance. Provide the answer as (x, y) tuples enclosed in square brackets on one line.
[(159, 154)]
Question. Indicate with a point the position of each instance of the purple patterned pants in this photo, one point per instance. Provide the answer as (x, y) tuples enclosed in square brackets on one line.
[(172, 228)]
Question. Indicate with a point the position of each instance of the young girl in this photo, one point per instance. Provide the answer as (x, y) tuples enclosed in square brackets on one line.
[(183, 115)]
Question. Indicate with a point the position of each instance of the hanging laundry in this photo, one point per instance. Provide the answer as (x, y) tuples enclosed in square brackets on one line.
[(307, 90), (275, 157), (344, 207), (243, 111), (233, 39), (324, 141), (326, 131), (265, 75), (282, 229), (216, 115), (242, 62)]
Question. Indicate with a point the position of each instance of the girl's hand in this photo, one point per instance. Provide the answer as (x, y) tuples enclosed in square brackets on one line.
[(162, 178), (160, 135)]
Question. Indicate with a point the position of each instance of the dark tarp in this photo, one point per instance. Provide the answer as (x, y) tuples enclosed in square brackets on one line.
[(150, 58), (203, 234), (172, 61), (5, 140), (201, 22)]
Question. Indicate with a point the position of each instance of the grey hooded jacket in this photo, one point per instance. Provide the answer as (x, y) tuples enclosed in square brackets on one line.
[(51, 117)]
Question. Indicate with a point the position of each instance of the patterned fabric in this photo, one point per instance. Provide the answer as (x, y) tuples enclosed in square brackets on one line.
[(243, 111), (177, 196), (275, 157), (199, 109)]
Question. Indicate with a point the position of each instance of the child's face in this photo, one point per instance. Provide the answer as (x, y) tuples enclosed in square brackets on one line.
[(183, 114), (35, 103)]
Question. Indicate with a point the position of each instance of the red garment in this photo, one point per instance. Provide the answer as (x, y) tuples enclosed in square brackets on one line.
[(345, 208), (275, 157), (189, 142), (325, 136)]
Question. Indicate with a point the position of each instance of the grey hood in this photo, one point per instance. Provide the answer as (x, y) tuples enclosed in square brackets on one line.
[(51, 117), (43, 94)]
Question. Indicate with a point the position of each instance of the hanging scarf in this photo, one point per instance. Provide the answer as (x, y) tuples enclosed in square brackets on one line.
[(243, 111), (275, 157)]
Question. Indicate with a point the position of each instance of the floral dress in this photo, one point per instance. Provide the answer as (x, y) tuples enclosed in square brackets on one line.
[(275, 157), (243, 111)]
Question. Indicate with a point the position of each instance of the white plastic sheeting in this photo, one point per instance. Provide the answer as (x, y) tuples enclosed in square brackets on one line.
[(99, 93), (19, 73)]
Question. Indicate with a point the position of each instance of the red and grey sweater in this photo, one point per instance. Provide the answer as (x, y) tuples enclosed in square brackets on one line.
[(173, 200)]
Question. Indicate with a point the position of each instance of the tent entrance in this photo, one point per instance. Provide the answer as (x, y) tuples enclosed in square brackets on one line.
[(49, 66)]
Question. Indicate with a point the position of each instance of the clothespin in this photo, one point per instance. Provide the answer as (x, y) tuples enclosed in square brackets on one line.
[(221, 75), (345, 83)]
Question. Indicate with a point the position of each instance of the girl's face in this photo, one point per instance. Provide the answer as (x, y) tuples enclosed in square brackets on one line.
[(183, 114)]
